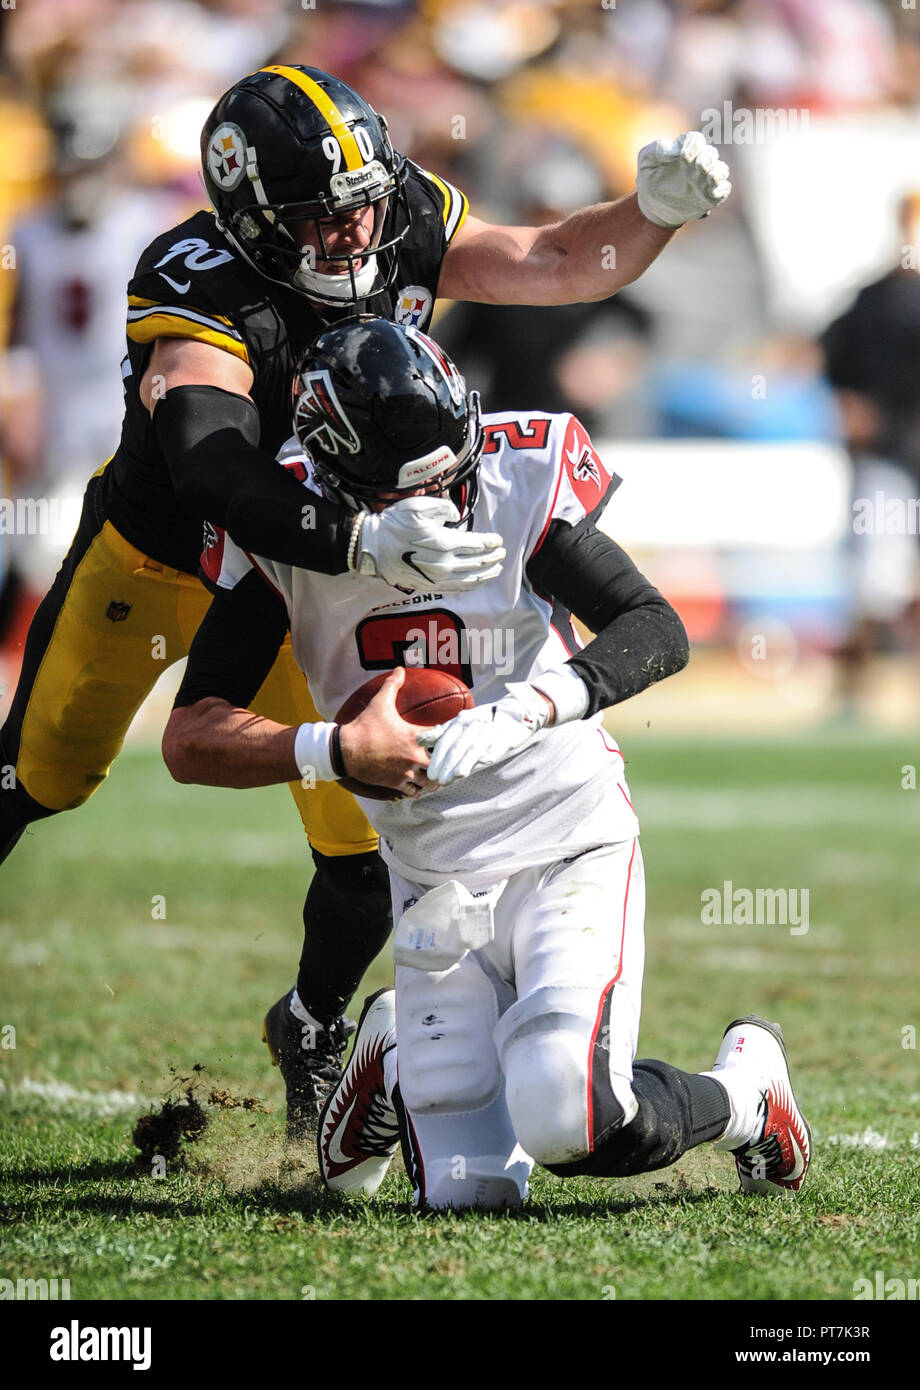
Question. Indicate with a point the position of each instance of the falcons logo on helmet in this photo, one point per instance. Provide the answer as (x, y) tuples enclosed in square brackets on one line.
[(319, 417)]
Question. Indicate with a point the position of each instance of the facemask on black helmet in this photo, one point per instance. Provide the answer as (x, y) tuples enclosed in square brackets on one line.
[(304, 180)]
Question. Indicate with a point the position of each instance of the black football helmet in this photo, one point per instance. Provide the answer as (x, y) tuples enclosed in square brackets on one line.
[(287, 149), (383, 412)]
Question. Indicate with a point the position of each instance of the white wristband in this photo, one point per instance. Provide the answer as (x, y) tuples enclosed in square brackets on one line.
[(567, 691), (312, 753)]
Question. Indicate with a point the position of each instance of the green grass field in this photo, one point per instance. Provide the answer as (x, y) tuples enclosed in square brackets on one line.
[(145, 935)]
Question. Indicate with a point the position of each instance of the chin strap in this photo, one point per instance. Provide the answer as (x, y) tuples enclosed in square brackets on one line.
[(358, 285)]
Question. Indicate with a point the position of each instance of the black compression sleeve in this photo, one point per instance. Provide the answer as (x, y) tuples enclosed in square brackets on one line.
[(236, 645), (209, 439), (640, 638)]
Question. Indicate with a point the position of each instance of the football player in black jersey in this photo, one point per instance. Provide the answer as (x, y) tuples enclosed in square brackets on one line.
[(314, 214)]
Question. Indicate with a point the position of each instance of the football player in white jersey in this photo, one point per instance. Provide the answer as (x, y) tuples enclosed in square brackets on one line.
[(74, 255), (516, 875)]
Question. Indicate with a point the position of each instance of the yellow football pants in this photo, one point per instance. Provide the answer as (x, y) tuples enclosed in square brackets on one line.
[(109, 627)]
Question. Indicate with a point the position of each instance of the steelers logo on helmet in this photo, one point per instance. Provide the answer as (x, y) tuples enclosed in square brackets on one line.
[(227, 155)]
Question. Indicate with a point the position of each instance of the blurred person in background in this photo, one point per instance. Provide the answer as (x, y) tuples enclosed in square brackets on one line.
[(171, 43), (871, 354), (586, 358), (828, 55), (24, 147), (386, 50), (74, 254), (20, 408), (601, 88)]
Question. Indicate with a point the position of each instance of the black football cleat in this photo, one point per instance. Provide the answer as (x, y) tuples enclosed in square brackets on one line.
[(310, 1058)]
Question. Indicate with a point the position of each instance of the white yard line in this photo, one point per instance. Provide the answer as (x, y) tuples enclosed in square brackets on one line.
[(710, 809), (61, 1096), (868, 1138)]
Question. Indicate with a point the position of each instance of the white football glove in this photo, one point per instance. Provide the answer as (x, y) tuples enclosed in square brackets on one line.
[(410, 545), (479, 737), (679, 180)]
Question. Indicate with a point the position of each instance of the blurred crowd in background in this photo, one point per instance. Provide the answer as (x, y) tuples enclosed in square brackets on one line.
[(754, 326)]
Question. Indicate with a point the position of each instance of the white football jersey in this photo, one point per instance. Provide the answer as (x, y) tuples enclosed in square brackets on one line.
[(564, 791), (72, 315)]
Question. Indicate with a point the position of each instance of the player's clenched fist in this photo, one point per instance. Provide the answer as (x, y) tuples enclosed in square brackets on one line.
[(680, 180)]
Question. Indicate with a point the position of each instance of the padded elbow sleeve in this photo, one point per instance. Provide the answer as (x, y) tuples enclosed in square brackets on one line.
[(210, 440)]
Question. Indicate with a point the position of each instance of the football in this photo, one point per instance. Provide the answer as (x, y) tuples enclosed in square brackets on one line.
[(427, 697)]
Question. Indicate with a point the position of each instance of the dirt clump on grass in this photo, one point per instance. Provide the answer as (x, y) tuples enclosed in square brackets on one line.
[(182, 1119), (226, 1100), (242, 1154), (162, 1134)]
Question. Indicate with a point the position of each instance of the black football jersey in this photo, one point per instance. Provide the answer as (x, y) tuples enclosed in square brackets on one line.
[(191, 282)]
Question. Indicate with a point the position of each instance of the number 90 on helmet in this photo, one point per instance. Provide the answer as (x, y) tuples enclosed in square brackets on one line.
[(383, 413), (288, 155)]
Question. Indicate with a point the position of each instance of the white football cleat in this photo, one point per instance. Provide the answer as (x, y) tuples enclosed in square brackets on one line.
[(778, 1159), (358, 1132)]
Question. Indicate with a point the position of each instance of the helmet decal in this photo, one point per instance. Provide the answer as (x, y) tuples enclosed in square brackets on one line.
[(372, 177), (319, 417), (420, 470), (331, 113), (227, 155), (455, 383)]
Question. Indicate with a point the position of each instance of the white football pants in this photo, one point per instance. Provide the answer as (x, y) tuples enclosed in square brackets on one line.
[(504, 1059)]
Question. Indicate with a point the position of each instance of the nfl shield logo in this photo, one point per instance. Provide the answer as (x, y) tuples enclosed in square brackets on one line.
[(117, 612), (413, 305)]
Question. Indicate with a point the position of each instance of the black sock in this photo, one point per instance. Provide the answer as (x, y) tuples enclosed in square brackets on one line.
[(677, 1111), (347, 920)]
